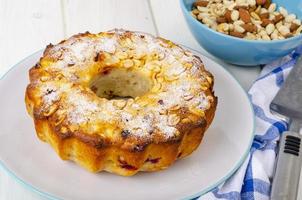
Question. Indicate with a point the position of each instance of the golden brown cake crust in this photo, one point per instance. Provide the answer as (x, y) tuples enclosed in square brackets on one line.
[(146, 132)]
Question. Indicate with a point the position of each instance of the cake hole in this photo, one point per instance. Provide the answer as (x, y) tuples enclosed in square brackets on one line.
[(120, 84)]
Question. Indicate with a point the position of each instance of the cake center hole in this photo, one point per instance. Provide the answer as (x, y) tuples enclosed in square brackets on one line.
[(120, 84)]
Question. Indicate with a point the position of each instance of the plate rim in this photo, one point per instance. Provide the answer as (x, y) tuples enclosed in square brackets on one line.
[(202, 192)]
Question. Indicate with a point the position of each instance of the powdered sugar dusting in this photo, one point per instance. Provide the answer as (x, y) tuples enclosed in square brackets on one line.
[(106, 44), (175, 69), (49, 94), (76, 54), (173, 95), (141, 124), (78, 50), (82, 108), (146, 123), (50, 98), (164, 128)]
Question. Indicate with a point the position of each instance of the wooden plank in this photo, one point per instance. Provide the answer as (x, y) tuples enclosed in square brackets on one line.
[(27, 26), (96, 16), (171, 23)]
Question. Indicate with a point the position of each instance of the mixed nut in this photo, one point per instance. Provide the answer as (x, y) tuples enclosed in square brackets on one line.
[(249, 19)]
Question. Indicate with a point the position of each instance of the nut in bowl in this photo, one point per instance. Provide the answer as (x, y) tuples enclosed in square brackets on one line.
[(247, 32)]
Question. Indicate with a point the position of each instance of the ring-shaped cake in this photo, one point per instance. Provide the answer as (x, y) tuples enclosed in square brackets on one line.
[(120, 101)]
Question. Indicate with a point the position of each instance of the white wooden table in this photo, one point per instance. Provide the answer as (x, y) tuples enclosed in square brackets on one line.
[(29, 25)]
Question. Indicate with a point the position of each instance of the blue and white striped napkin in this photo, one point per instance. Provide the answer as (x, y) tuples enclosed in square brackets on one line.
[(252, 181)]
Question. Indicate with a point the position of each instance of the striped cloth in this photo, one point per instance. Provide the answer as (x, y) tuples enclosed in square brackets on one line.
[(253, 179)]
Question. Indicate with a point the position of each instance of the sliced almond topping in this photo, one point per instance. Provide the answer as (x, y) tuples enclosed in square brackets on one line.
[(120, 104), (163, 111), (59, 119), (175, 107), (161, 56), (128, 63), (171, 78), (186, 120), (156, 87), (173, 119), (154, 66), (73, 128), (210, 98), (188, 65), (59, 77), (137, 63), (51, 110), (197, 112), (44, 78), (188, 96), (63, 129), (122, 55), (130, 102), (209, 79)]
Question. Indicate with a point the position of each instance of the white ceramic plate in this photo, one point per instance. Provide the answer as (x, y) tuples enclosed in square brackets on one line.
[(36, 165)]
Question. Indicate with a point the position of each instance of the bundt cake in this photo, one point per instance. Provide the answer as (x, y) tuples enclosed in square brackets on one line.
[(120, 101)]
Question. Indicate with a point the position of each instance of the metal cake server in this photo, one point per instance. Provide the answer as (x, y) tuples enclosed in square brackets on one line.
[(288, 103)]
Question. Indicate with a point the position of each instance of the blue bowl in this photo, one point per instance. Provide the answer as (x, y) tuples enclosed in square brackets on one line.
[(242, 51)]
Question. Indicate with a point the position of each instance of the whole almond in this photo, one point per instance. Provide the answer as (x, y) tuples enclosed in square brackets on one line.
[(293, 27), (249, 27), (264, 15), (243, 7), (260, 2), (278, 18), (221, 20), (266, 22), (237, 34), (227, 16), (201, 3), (244, 15)]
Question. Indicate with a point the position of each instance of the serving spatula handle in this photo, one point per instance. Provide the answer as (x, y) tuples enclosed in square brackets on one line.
[(288, 167)]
